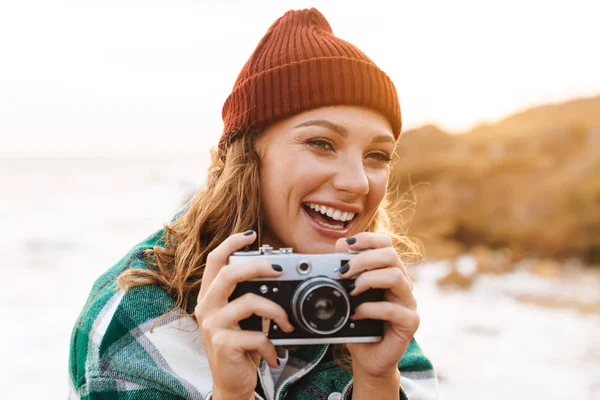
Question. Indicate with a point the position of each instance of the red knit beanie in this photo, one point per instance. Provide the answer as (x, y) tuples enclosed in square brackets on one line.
[(300, 65)]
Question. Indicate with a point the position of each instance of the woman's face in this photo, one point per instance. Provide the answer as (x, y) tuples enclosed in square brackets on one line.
[(323, 174)]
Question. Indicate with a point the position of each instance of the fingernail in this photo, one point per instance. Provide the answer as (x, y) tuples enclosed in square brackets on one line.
[(248, 233), (277, 267), (344, 268), (351, 287), (351, 240), (278, 363)]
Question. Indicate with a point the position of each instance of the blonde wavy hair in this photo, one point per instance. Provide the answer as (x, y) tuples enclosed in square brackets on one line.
[(230, 202)]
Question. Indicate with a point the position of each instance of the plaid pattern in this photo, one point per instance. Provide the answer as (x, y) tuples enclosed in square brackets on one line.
[(121, 349)]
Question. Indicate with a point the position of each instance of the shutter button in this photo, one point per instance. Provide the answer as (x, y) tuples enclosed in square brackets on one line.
[(335, 396)]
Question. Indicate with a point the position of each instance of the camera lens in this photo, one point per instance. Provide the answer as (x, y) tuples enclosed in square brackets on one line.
[(321, 306), (324, 309)]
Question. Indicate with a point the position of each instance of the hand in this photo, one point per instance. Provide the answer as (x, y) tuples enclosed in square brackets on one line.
[(233, 354), (381, 268)]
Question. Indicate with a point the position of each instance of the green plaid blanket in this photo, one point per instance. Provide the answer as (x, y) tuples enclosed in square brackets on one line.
[(119, 351)]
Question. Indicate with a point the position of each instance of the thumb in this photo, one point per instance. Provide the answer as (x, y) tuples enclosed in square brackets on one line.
[(255, 357)]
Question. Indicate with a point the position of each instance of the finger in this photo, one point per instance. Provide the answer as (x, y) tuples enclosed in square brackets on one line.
[(219, 257), (374, 259), (371, 259), (341, 245), (230, 275), (406, 319), (248, 305), (368, 240), (391, 279), (228, 342)]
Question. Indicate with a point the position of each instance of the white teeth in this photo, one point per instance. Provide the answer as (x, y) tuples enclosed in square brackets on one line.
[(339, 226), (332, 212)]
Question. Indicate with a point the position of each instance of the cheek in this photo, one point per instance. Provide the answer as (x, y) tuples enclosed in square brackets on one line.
[(298, 175), (377, 190), (308, 175), (379, 187), (287, 180), (271, 190), (278, 178)]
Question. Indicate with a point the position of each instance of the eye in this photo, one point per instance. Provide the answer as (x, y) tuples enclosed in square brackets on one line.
[(380, 157), (321, 144)]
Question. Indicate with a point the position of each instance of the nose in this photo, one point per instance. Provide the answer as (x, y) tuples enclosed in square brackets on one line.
[(351, 177)]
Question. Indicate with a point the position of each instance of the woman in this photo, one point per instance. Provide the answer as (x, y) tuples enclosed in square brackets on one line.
[(303, 162)]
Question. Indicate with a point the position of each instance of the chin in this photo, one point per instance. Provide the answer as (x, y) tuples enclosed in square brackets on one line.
[(315, 246)]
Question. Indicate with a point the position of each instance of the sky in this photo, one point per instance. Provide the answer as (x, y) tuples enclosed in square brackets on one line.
[(150, 76)]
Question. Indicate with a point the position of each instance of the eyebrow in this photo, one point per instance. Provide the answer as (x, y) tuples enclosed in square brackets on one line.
[(383, 139), (340, 130)]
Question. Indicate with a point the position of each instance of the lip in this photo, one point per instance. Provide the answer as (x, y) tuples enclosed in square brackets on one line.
[(323, 230)]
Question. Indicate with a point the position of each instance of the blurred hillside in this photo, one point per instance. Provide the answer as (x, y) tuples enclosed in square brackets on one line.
[(529, 183)]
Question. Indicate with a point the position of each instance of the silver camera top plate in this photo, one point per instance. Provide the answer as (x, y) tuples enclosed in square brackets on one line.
[(297, 266)]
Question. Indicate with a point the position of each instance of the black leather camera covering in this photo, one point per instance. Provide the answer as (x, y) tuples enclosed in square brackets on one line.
[(283, 296)]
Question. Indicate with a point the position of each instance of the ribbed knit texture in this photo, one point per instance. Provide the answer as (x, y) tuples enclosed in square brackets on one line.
[(300, 65)]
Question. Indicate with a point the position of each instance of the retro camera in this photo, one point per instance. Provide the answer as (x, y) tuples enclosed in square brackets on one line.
[(316, 300)]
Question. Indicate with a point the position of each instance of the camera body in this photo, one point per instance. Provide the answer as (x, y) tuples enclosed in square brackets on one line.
[(314, 297)]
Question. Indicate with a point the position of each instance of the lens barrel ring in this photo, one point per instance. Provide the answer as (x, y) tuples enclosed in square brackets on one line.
[(307, 288)]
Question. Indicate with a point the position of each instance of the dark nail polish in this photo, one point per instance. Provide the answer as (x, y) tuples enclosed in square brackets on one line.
[(277, 267), (351, 240), (248, 233), (350, 287), (344, 268), (278, 363)]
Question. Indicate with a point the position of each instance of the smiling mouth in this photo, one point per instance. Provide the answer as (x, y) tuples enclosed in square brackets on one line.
[(328, 217)]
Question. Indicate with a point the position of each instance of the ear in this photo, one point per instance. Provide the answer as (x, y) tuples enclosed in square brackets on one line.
[(260, 142)]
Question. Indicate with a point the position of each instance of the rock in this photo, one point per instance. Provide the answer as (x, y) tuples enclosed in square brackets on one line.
[(455, 278), (545, 268), (517, 253), (443, 249), (492, 262)]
